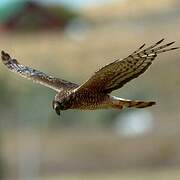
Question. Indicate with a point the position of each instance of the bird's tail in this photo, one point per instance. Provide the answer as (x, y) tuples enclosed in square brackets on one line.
[(137, 104), (126, 103)]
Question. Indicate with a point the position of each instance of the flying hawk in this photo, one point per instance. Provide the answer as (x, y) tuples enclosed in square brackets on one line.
[(95, 92)]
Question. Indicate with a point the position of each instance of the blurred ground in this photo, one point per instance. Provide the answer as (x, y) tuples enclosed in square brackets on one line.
[(36, 143), (165, 174)]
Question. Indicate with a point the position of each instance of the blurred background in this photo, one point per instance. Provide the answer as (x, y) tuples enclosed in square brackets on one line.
[(71, 39)]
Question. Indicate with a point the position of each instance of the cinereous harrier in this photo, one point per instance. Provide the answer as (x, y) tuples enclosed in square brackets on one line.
[(95, 92)]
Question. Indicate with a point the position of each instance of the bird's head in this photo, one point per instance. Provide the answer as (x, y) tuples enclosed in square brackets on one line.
[(61, 105)]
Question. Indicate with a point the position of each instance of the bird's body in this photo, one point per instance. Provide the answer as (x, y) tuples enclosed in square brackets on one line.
[(95, 92), (83, 101), (89, 101)]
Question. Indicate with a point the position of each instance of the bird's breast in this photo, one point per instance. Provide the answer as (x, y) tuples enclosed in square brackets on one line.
[(88, 101)]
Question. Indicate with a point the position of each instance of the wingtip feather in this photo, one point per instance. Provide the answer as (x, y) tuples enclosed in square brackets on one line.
[(142, 46), (170, 43), (4, 55), (160, 41)]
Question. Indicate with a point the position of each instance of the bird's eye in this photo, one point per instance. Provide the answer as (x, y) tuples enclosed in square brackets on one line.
[(61, 105)]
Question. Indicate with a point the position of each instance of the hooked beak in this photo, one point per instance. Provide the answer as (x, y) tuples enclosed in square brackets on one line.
[(58, 112), (56, 108)]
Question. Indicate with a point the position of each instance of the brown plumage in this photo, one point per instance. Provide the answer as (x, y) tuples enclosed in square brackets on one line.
[(95, 92)]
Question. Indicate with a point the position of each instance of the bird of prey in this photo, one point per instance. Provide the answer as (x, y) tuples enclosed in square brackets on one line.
[(95, 92)]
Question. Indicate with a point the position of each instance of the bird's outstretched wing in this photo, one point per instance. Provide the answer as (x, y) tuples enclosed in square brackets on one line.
[(119, 72), (35, 75)]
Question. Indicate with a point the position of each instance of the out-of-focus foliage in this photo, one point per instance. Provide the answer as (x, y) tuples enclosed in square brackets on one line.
[(33, 16), (64, 13)]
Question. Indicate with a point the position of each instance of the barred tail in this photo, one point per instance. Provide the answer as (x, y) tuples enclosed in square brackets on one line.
[(138, 104), (120, 103)]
